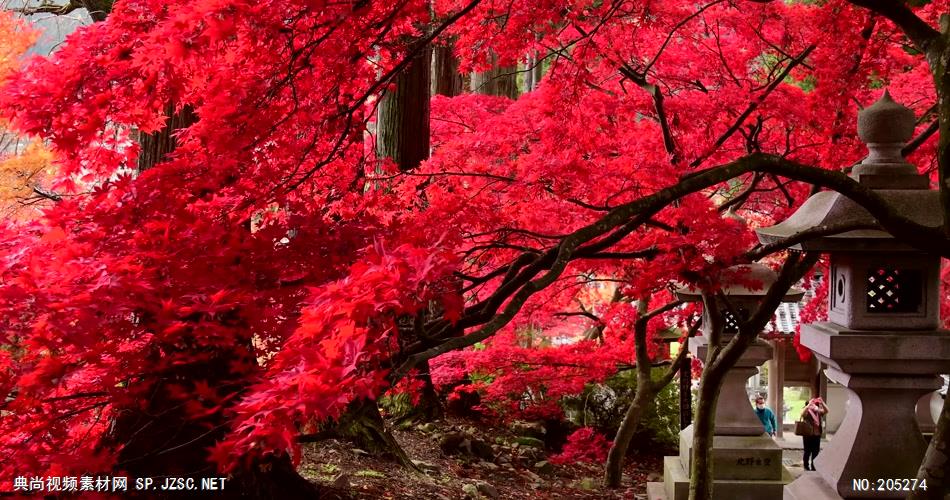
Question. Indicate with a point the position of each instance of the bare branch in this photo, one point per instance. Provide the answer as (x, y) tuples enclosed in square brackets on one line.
[(925, 37), (753, 106), (918, 141), (49, 195)]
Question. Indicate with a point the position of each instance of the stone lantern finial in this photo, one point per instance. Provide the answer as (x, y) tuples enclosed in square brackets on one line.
[(886, 121), (885, 127)]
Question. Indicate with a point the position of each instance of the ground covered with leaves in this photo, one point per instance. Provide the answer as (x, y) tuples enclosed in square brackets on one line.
[(459, 458)]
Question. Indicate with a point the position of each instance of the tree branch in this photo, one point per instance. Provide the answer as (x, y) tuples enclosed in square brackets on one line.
[(925, 37)]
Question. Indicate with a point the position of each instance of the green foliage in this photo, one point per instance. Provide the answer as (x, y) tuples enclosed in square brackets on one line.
[(323, 472), (397, 405), (876, 82), (369, 473), (769, 64), (661, 421), (530, 442), (603, 406)]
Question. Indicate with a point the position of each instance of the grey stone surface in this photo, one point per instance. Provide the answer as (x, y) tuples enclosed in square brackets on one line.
[(860, 283), (884, 128), (886, 121), (738, 457), (885, 375), (655, 491), (829, 208), (881, 342), (676, 485), (734, 284), (896, 352), (810, 486)]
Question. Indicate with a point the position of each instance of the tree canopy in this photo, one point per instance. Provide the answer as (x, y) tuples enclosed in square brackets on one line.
[(271, 269)]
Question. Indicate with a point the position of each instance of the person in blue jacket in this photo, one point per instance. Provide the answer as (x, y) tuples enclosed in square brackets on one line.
[(765, 415)]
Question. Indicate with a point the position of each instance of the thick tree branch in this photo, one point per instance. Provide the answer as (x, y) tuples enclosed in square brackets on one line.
[(924, 36), (675, 365), (816, 232), (916, 142), (521, 283)]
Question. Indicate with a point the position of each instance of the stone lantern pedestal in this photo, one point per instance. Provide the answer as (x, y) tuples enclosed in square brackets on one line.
[(747, 463), (885, 373)]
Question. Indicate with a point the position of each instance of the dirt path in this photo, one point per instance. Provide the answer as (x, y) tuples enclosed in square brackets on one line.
[(460, 460)]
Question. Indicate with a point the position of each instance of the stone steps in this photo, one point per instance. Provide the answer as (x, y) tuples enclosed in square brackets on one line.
[(675, 485)]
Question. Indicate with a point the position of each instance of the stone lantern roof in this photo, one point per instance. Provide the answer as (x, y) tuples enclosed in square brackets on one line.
[(885, 127), (735, 283)]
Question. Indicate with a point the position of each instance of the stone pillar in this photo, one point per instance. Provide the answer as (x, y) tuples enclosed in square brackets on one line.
[(885, 374), (734, 413), (747, 463), (777, 384), (882, 341)]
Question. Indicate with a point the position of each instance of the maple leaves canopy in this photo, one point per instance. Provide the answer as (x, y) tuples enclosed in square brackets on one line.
[(273, 234)]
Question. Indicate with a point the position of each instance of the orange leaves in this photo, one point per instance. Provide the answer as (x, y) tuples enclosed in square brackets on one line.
[(16, 37), (23, 164)]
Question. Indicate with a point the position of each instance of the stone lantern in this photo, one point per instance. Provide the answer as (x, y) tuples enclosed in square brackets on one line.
[(747, 464), (881, 340)]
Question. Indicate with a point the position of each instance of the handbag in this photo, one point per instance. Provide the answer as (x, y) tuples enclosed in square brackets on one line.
[(804, 428)]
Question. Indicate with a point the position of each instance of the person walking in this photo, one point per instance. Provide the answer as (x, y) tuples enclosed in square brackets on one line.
[(766, 416), (811, 434)]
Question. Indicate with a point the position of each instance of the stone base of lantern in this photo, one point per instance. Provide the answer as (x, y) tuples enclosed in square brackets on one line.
[(885, 373), (810, 486), (744, 468)]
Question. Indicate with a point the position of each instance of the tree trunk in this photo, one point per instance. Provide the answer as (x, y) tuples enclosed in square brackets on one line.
[(430, 406), (154, 148), (161, 438), (363, 424), (446, 79), (701, 469), (498, 81), (538, 69), (158, 436), (402, 134), (628, 427), (940, 66), (935, 468), (686, 396), (402, 131), (529, 73), (533, 71)]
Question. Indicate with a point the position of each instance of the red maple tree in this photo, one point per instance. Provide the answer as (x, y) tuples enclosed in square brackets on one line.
[(270, 270)]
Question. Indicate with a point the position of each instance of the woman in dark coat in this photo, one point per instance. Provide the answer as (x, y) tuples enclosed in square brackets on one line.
[(813, 412)]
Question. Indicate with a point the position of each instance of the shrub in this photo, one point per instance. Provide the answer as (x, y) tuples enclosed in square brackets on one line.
[(603, 406), (584, 445)]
